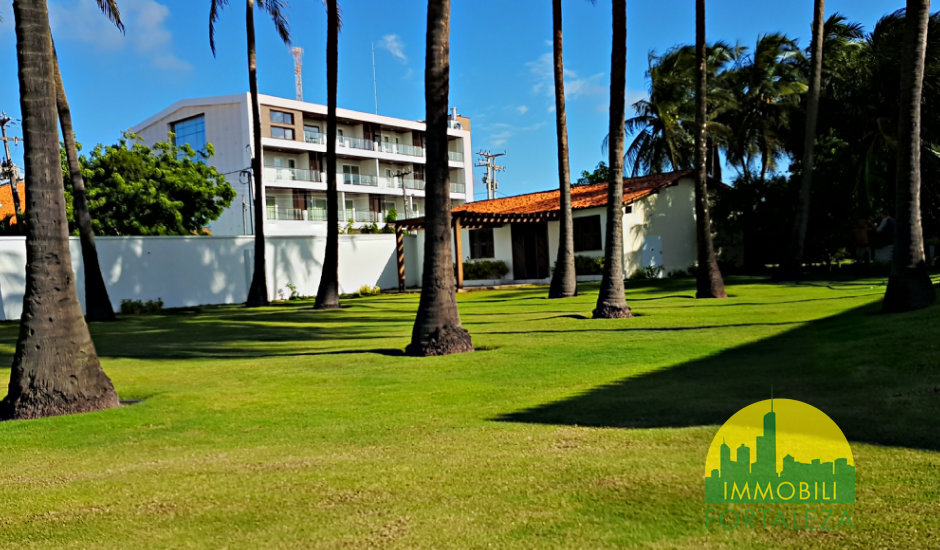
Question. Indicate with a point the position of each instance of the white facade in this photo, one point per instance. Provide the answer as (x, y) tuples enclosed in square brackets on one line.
[(380, 161)]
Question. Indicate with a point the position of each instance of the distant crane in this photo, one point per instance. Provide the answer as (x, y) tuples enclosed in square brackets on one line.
[(298, 71), (489, 178)]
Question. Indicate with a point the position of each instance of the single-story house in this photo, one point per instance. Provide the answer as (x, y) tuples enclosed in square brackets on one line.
[(522, 231)]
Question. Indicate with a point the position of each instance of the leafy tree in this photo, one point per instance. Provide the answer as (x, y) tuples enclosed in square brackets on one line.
[(258, 291), (328, 288), (564, 280), (437, 329), (55, 367), (611, 302), (601, 174), (165, 190)]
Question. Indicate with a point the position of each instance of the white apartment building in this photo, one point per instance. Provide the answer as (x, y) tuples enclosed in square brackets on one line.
[(380, 161)]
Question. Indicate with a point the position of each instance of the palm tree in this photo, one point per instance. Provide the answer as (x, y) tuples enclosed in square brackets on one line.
[(97, 302), (437, 329), (909, 285), (55, 367), (809, 139), (328, 289), (709, 283), (258, 291), (611, 303), (564, 279)]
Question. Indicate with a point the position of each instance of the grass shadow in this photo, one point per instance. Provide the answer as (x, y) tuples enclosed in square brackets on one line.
[(877, 376)]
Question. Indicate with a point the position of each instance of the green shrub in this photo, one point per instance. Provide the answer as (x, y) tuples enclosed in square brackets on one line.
[(136, 307), (483, 269), (585, 265), (366, 290)]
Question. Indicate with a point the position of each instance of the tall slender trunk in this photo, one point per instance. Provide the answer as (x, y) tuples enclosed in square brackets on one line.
[(611, 302), (328, 289), (437, 329), (709, 283), (798, 246), (55, 367), (564, 279), (909, 285), (258, 291), (97, 302)]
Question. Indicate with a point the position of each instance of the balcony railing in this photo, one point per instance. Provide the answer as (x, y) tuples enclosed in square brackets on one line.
[(455, 156), (458, 188), (314, 137), (414, 184), (296, 214), (369, 216), (291, 174), (355, 143)]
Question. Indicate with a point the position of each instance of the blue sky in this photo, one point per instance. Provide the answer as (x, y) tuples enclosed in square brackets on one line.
[(500, 63)]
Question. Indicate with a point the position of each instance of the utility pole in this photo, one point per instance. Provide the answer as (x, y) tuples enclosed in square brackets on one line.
[(8, 169), (404, 190), (491, 168)]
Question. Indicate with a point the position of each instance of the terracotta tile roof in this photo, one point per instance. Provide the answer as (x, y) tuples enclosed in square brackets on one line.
[(6, 200), (582, 196)]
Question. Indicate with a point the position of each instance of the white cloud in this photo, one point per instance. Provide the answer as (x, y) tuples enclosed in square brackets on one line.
[(543, 71), (144, 23), (500, 133), (522, 109), (392, 44)]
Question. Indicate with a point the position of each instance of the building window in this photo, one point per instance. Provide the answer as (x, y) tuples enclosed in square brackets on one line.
[(481, 243), (282, 133), (281, 117), (191, 131), (350, 174), (312, 133), (587, 233)]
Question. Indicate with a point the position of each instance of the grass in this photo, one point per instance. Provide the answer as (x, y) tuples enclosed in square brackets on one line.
[(286, 427)]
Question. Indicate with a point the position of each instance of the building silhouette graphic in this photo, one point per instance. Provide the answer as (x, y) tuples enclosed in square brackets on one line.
[(741, 480)]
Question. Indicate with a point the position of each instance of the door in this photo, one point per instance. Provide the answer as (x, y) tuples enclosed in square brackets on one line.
[(529, 250)]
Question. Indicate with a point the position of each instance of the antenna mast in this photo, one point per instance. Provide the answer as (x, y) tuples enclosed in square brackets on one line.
[(298, 71)]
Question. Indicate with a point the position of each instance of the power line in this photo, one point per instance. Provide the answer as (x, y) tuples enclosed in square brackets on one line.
[(491, 168)]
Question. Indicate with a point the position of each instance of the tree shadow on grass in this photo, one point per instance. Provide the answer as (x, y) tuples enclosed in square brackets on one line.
[(877, 376)]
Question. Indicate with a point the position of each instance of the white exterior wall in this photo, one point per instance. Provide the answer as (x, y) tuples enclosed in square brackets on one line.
[(666, 218), (187, 271)]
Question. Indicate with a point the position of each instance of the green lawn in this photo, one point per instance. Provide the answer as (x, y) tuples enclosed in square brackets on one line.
[(293, 428)]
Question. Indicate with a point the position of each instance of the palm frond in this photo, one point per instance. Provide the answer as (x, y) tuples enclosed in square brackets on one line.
[(276, 9), (214, 8), (110, 9)]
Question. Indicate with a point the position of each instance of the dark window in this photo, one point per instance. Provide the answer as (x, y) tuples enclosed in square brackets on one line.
[(481, 243), (587, 233), (281, 117), (282, 133), (191, 131)]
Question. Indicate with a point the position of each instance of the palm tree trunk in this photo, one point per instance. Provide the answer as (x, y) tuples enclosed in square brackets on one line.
[(709, 283), (55, 367), (611, 302), (909, 285), (328, 289), (798, 246), (97, 302), (564, 279), (258, 291), (437, 329)]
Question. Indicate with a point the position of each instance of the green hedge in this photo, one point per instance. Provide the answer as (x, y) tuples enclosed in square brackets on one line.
[(483, 269)]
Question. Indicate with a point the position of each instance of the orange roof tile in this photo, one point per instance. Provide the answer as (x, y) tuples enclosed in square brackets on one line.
[(582, 196), (6, 200)]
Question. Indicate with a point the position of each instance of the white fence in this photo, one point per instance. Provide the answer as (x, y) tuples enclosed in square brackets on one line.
[(187, 271)]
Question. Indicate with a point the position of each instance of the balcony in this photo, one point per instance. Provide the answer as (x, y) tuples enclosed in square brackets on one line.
[(414, 184), (369, 217), (291, 174), (355, 143), (455, 156), (296, 214), (314, 137), (458, 188), (401, 149)]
